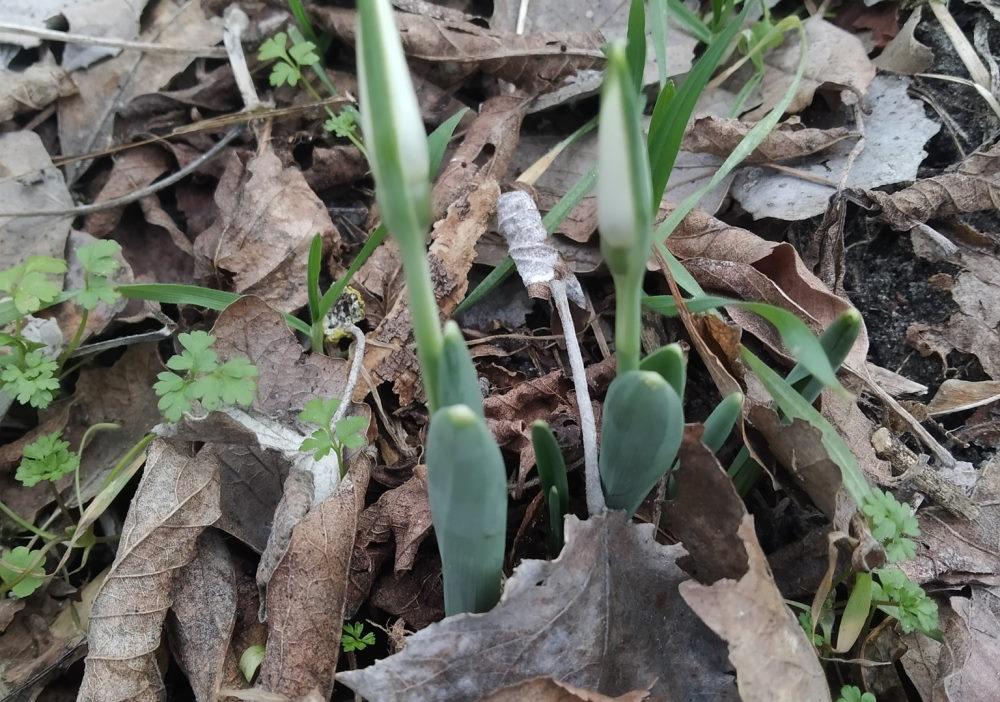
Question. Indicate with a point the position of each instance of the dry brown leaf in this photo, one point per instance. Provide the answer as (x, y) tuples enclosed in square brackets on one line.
[(955, 551), (718, 136), (177, 498), (402, 515), (549, 690), (29, 182), (974, 186), (415, 596), (306, 594), (959, 395), (41, 643), (596, 618), (37, 86), (835, 59), (456, 49), (203, 615), (122, 394), (86, 120), (268, 218), (775, 662), (905, 54), (296, 499), (335, 166), (389, 357), (967, 667)]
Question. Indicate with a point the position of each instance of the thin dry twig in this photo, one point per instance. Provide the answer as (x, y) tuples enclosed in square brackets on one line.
[(86, 40)]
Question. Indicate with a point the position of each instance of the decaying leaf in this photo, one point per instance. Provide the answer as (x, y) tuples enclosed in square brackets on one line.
[(967, 667), (35, 87), (718, 136), (835, 59), (751, 615), (456, 49), (177, 498), (549, 690), (974, 186), (450, 258), (86, 120), (268, 217), (958, 395), (905, 54), (306, 594), (610, 569), (401, 515), (895, 132), (29, 182), (203, 614), (956, 551)]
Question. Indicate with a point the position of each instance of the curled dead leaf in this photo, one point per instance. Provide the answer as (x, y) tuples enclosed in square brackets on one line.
[(719, 136)]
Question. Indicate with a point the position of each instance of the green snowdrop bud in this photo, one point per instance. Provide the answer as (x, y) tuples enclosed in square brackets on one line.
[(467, 487), (641, 432)]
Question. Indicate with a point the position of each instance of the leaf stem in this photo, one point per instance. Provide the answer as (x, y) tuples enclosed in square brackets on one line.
[(424, 313), (74, 343), (26, 525), (628, 321)]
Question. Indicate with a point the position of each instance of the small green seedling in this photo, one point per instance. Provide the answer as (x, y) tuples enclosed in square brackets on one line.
[(331, 436), (203, 380), (21, 570), (893, 524), (852, 693), (251, 661), (552, 476), (31, 284), (99, 263), (355, 638), (46, 458), (906, 602), (29, 377)]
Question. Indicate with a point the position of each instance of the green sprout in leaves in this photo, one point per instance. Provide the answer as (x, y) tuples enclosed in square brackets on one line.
[(204, 379), (344, 125), (99, 264), (251, 660), (32, 380), (21, 570), (905, 601), (30, 284), (892, 524), (289, 61), (46, 458), (852, 693), (332, 436), (355, 638)]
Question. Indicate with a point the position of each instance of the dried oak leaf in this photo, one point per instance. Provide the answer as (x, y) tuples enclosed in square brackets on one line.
[(960, 395), (452, 50), (974, 186), (390, 357), (203, 615), (401, 515), (86, 120), (835, 58), (719, 136), (307, 593), (956, 551), (773, 657), (177, 498), (549, 690), (596, 618), (268, 217), (34, 88), (967, 666)]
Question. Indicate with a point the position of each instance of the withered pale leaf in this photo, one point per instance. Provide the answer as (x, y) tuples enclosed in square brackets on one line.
[(296, 499), (37, 86), (719, 136), (30, 182), (972, 645), (177, 498), (958, 395), (307, 592), (896, 130), (604, 616), (549, 690), (86, 120), (905, 54), (773, 657), (203, 615), (835, 59), (268, 216), (456, 49), (132, 170)]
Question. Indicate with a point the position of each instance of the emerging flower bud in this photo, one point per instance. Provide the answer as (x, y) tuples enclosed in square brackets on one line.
[(624, 193), (391, 124)]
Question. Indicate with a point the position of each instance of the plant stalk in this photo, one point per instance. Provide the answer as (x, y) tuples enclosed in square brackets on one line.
[(26, 525), (423, 313), (628, 321)]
